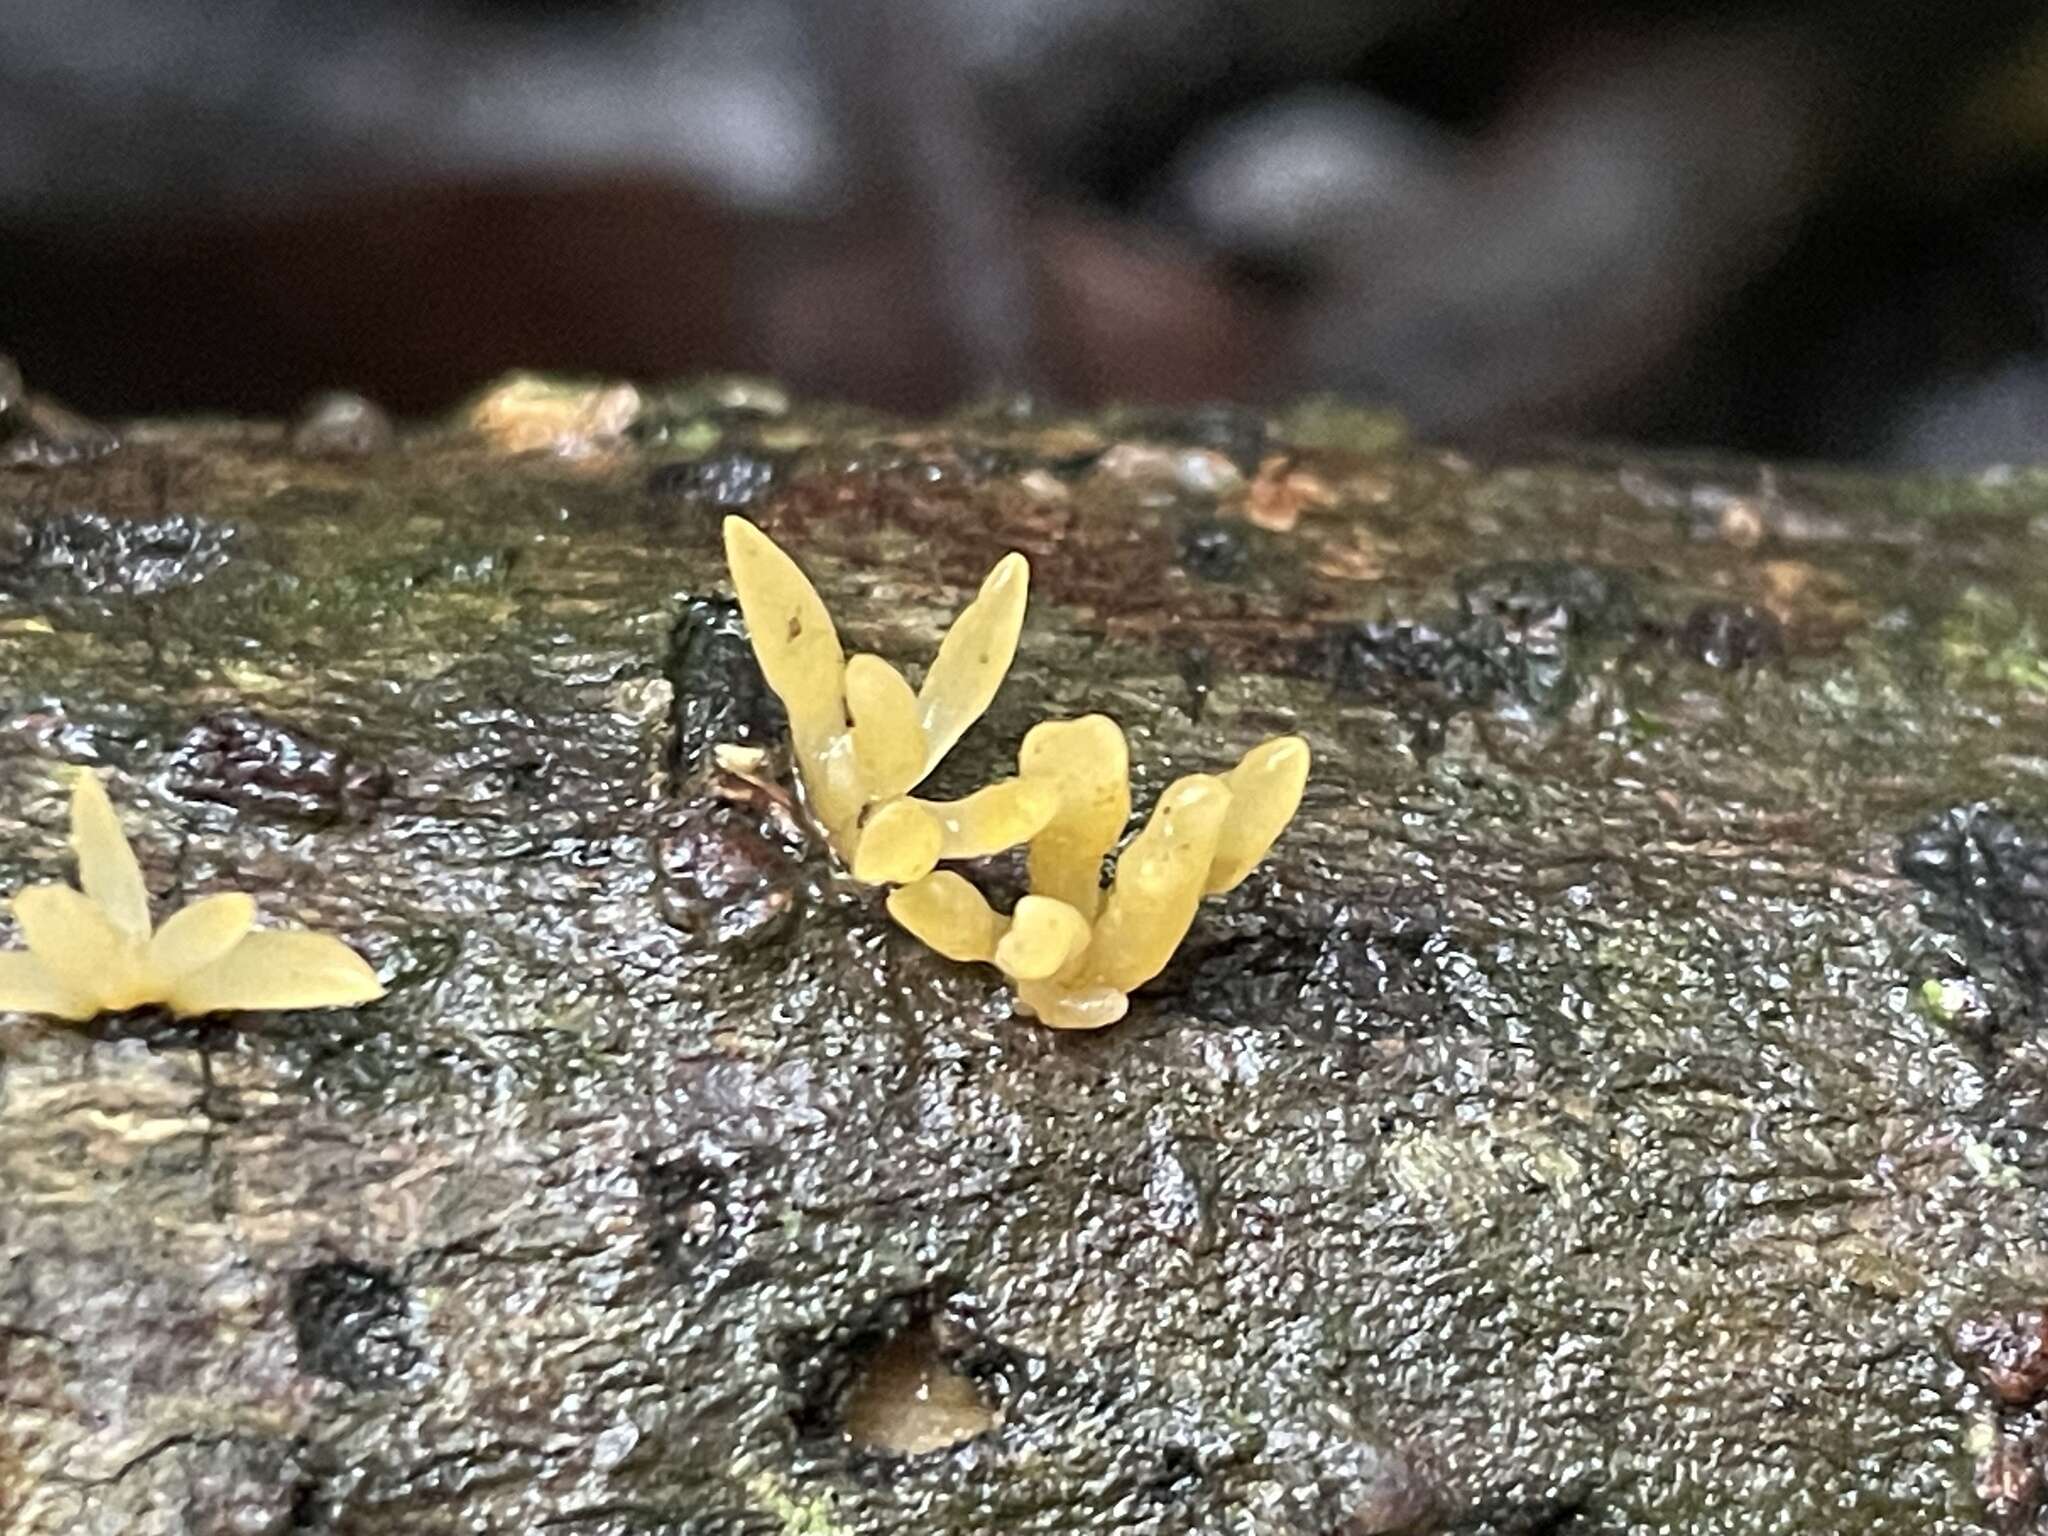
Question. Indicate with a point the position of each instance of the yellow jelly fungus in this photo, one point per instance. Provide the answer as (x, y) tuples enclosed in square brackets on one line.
[(1045, 937), (1265, 792), (974, 658), (863, 739), (992, 819), (899, 842), (1087, 761), (950, 916), (888, 736), (92, 951), (1074, 952)]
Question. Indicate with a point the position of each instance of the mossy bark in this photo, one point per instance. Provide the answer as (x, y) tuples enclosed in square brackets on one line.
[(1616, 1107)]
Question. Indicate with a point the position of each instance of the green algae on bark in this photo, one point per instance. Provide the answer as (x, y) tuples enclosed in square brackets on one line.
[(1555, 1136)]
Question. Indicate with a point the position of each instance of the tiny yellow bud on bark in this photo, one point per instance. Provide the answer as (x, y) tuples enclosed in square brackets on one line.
[(92, 951)]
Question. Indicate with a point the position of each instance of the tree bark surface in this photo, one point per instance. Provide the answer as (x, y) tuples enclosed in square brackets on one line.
[(1617, 1106)]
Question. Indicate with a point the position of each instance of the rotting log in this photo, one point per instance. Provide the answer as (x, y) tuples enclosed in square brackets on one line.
[(1616, 1107)]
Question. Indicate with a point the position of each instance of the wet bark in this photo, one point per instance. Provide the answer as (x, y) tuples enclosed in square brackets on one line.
[(1617, 1107)]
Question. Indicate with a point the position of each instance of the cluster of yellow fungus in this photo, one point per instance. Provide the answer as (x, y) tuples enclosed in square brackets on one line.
[(1073, 950), (92, 951), (863, 738)]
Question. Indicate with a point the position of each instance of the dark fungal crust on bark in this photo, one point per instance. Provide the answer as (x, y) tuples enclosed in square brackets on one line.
[(1560, 1133)]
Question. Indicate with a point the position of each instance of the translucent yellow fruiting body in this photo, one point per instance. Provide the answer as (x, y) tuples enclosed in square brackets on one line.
[(974, 658), (1265, 792), (863, 739), (92, 950), (1159, 883), (1001, 816), (1073, 951), (950, 916), (1059, 1006), (1045, 937), (799, 652), (888, 734), (1089, 763), (900, 842)]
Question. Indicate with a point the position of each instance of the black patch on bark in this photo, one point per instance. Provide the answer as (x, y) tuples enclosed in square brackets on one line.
[(1178, 1474), (259, 767), (720, 694), (1988, 876), (1443, 665), (1555, 596), (1732, 636), (1212, 551), (1325, 970), (1550, 1515), (1518, 632), (724, 1522), (729, 479), (1197, 673), (352, 1325), (694, 1224)]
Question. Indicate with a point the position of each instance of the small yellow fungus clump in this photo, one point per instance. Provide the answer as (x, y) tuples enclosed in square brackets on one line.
[(92, 951), (1073, 951), (864, 738)]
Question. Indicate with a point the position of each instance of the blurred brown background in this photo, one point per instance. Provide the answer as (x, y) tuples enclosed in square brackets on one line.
[(1814, 229)]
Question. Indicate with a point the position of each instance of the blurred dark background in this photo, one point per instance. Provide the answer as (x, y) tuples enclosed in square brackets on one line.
[(1798, 227)]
